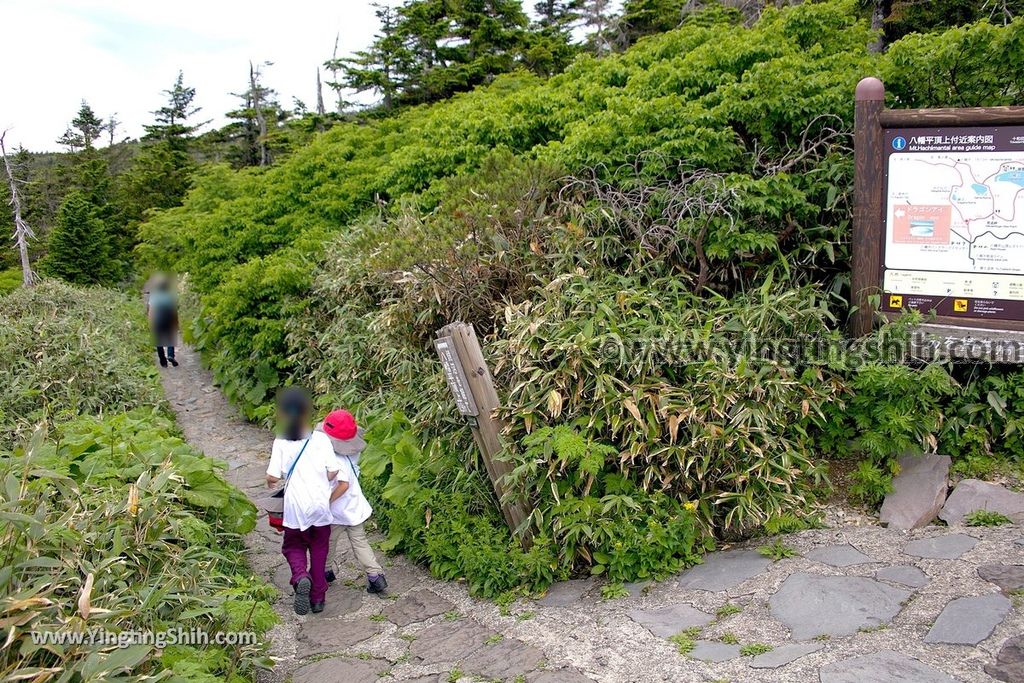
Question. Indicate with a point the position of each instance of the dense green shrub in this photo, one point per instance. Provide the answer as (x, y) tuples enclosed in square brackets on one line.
[(67, 351), (10, 280), (695, 188), (114, 523)]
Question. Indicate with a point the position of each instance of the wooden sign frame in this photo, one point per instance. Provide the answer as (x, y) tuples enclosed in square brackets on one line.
[(872, 121)]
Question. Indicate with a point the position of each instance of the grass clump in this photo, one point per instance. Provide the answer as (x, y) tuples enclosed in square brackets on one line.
[(685, 641), (777, 550), (986, 518)]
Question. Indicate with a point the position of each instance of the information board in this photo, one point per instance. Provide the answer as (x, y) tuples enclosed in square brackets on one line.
[(954, 222), (456, 376)]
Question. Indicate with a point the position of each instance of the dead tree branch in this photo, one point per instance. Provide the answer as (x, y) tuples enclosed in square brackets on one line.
[(22, 231)]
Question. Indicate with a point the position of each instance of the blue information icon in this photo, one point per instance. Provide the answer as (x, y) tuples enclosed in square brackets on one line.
[(899, 143)]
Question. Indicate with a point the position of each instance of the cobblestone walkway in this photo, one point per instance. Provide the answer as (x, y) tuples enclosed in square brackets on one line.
[(858, 603)]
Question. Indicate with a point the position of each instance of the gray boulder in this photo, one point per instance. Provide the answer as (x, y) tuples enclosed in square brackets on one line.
[(974, 494), (918, 492)]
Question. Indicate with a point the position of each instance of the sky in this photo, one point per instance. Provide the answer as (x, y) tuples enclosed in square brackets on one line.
[(120, 55)]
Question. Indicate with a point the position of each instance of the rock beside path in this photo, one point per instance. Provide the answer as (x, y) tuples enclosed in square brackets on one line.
[(1009, 577), (945, 547), (905, 575), (783, 655), (974, 494), (566, 593), (712, 651), (324, 636), (812, 605), (416, 606), (918, 491), (882, 667), (968, 621), (341, 669), (668, 621), (1009, 664), (838, 556), (724, 570)]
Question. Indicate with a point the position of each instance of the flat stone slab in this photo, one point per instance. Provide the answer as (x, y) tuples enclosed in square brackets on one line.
[(948, 547), (812, 605), (839, 555), (449, 641), (416, 606), (566, 593), (1009, 577), (326, 636), (783, 655), (905, 575), (668, 621), (1009, 664), (881, 667), (724, 570), (974, 494), (504, 660), (341, 669), (918, 491), (713, 651), (968, 621), (559, 676)]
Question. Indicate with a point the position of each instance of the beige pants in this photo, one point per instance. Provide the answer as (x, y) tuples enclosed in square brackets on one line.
[(360, 547)]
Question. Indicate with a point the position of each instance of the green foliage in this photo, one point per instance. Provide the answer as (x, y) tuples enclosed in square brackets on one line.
[(727, 610), (693, 190), (614, 591), (154, 533), (66, 352), (598, 518), (872, 481), (79, 250), (893, 408), (685, 641), (986, 518), (754, 649), (777, 550), (10, 280)]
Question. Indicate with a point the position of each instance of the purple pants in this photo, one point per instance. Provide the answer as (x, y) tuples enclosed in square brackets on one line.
[(306, 552)]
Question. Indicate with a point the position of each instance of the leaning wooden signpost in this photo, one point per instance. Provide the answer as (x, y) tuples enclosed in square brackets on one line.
[(938, 222), (471, 384)]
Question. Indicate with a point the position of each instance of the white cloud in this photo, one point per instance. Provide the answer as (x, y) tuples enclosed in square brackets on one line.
[(120, 54)]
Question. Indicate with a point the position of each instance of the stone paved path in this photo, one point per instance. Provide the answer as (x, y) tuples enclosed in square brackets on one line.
[(859, 603)]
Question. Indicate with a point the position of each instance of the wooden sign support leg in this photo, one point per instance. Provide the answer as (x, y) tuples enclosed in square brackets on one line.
[(487, 431), (868, 140)]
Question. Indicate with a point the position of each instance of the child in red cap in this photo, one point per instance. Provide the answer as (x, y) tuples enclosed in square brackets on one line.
[(351, 510)]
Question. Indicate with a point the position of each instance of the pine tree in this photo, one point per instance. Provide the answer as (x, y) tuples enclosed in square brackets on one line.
[(550, 42), (89, 125), (79, 247), (645, 17), (172, 119), (379, 67)]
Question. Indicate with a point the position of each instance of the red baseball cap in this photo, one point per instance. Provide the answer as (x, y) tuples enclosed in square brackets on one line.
[(339, 424)]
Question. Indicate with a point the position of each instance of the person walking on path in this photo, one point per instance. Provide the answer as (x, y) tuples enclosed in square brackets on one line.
[(305, 461), (351, 510), (162, 311)]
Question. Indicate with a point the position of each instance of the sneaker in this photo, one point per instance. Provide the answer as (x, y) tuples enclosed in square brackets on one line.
[(302, 589), (329, 574), (173, 362), (318, 607), (376, 583)]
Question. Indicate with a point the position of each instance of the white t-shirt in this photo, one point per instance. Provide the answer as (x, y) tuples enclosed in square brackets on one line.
[(351, 508), (308, 496)]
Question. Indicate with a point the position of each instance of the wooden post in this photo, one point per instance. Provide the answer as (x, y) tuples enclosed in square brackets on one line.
[(486, 426), (868, 140)]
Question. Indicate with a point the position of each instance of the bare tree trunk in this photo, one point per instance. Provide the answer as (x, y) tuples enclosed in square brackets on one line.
[(112, 124), (257, 105), (22, 232), (319, 94), (881, 10)]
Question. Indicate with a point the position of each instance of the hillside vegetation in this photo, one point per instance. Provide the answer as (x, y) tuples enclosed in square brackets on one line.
[(113, 527), (602, 229)]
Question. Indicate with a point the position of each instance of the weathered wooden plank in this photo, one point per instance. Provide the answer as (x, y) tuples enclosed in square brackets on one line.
[(867, 202), (938, 118)]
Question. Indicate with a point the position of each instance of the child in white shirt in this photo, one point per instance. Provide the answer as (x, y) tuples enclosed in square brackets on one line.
[(305, 460), (351, 509)]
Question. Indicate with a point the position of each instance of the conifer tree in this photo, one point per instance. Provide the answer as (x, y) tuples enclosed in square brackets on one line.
[(79, 247)]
